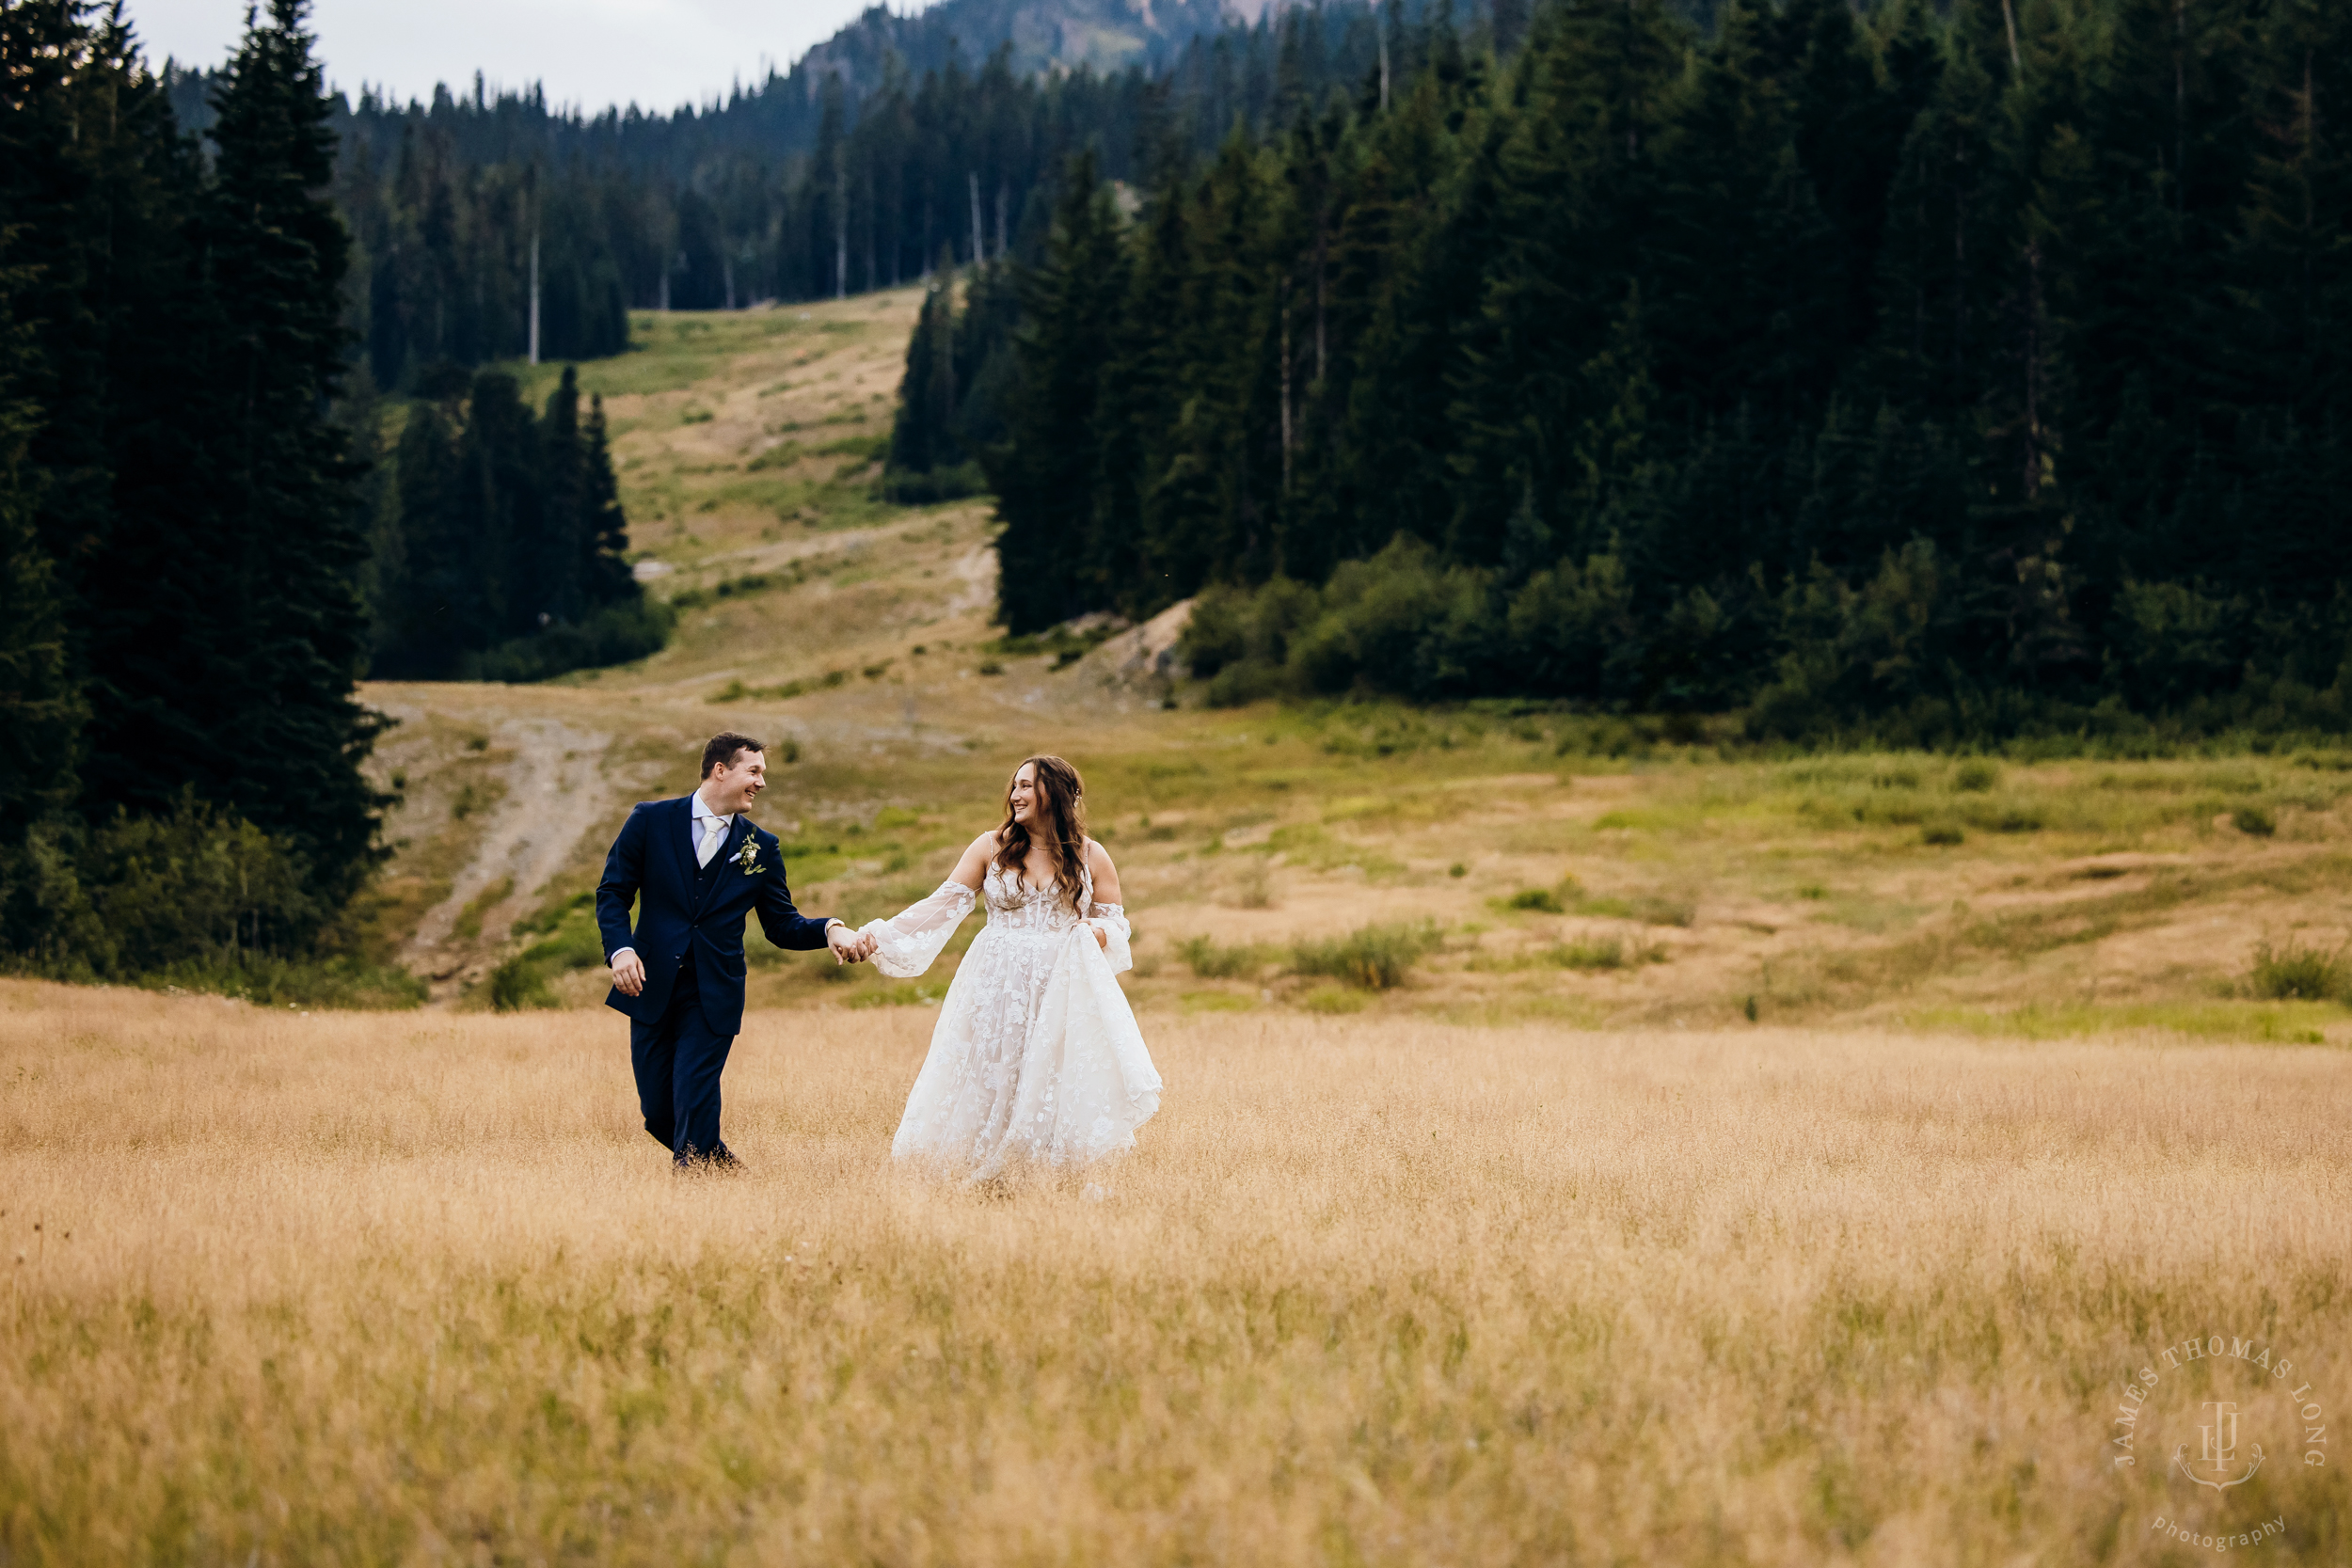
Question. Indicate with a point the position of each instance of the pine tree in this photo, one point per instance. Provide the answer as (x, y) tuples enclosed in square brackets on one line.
[(95, 193), (606, 579), (1550, 216), (500, 500), (1045, 476), (262, 702), (1213, 485), (41, 710), (563, 485), (919, 437), (434, 599), (1140, 412), (1398, 429)]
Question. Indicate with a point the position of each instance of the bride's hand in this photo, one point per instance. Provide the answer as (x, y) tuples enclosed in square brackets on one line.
[(1102, 938)]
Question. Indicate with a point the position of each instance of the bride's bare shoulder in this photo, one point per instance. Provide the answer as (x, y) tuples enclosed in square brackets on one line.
[(972, 869)]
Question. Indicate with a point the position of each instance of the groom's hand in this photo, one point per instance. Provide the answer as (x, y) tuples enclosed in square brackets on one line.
[(628, 973)]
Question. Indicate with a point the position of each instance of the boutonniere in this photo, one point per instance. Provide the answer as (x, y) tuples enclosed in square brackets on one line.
[(748, 857)]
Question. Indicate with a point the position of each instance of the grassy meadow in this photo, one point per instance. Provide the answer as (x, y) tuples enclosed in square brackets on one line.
[(340, 1287), (1588, 1140)]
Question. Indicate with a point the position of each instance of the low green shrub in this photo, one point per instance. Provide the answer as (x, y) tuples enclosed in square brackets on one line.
[(1658, 908), (933, 486), (2293, 973), (1334, 1000), (518, 984), (2254, 821), (1211, 960), (1594, 952), (341, 981), (615, 635), (1373, 958), (1976, 776), (191, 900)]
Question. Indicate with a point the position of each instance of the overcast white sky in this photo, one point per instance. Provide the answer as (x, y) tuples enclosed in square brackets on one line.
[(655, 53)]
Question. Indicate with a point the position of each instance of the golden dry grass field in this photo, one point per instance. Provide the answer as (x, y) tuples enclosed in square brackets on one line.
[(1707, 1158), (365, 1288)]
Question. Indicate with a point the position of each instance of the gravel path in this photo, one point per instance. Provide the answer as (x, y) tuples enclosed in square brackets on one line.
[(555, 792)]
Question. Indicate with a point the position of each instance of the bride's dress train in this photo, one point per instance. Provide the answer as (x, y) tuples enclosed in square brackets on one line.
[(1037, 1057)]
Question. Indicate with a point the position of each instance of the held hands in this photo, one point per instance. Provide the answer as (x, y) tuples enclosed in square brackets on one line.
[(849, 947)]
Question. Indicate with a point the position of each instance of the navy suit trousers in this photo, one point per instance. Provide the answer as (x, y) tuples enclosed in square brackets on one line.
[(678, 1062)]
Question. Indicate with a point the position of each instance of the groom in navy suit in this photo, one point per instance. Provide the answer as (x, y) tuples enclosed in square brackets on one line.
[(699, 867)]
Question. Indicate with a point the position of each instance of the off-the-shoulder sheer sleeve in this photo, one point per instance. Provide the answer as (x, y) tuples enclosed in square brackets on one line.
[(1111, 920), (910, 939)]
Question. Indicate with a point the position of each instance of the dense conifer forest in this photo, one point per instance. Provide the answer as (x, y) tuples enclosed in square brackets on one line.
[(1943, 374), (899, 142), (498, 541), (184, 626)]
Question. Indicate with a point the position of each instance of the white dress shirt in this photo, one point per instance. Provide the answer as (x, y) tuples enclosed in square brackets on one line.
[(710, 831), (706, 843)]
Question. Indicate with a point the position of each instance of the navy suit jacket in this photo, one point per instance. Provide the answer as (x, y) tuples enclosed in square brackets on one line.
[(652, 865)]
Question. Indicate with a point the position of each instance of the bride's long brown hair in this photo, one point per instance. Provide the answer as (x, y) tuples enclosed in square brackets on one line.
[(1061, 816)]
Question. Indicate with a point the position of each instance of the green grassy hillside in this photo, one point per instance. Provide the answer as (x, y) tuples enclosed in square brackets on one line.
[(1491, 863)]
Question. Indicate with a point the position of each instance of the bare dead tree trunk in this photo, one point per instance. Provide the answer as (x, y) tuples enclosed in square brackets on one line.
[(534, 294), (1384, 62), (2008, 20), (972, 178), (840, 226), (1004, 199)]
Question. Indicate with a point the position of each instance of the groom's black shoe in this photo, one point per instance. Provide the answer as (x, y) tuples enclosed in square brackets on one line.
[(720, 1160)]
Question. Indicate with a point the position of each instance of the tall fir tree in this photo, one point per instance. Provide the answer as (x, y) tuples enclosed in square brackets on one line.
[(1044, 475), (232, 637), (41, 710)]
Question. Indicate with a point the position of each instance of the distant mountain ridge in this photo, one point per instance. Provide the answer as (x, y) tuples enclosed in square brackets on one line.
[(781, 112), (1042, 34)]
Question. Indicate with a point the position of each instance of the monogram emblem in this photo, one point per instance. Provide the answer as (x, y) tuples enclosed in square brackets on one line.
[(2220, 1448)]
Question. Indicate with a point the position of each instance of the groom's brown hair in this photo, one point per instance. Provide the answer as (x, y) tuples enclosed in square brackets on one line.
[(721, 749)]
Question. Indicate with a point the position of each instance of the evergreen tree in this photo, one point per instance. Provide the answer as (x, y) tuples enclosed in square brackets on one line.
[(42, 709), (254, 704), (1044, 476), (514, 541), (921, 437), (606, 580)]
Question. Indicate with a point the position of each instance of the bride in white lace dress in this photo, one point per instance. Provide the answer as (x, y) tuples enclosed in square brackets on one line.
[(1037, 1059)]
